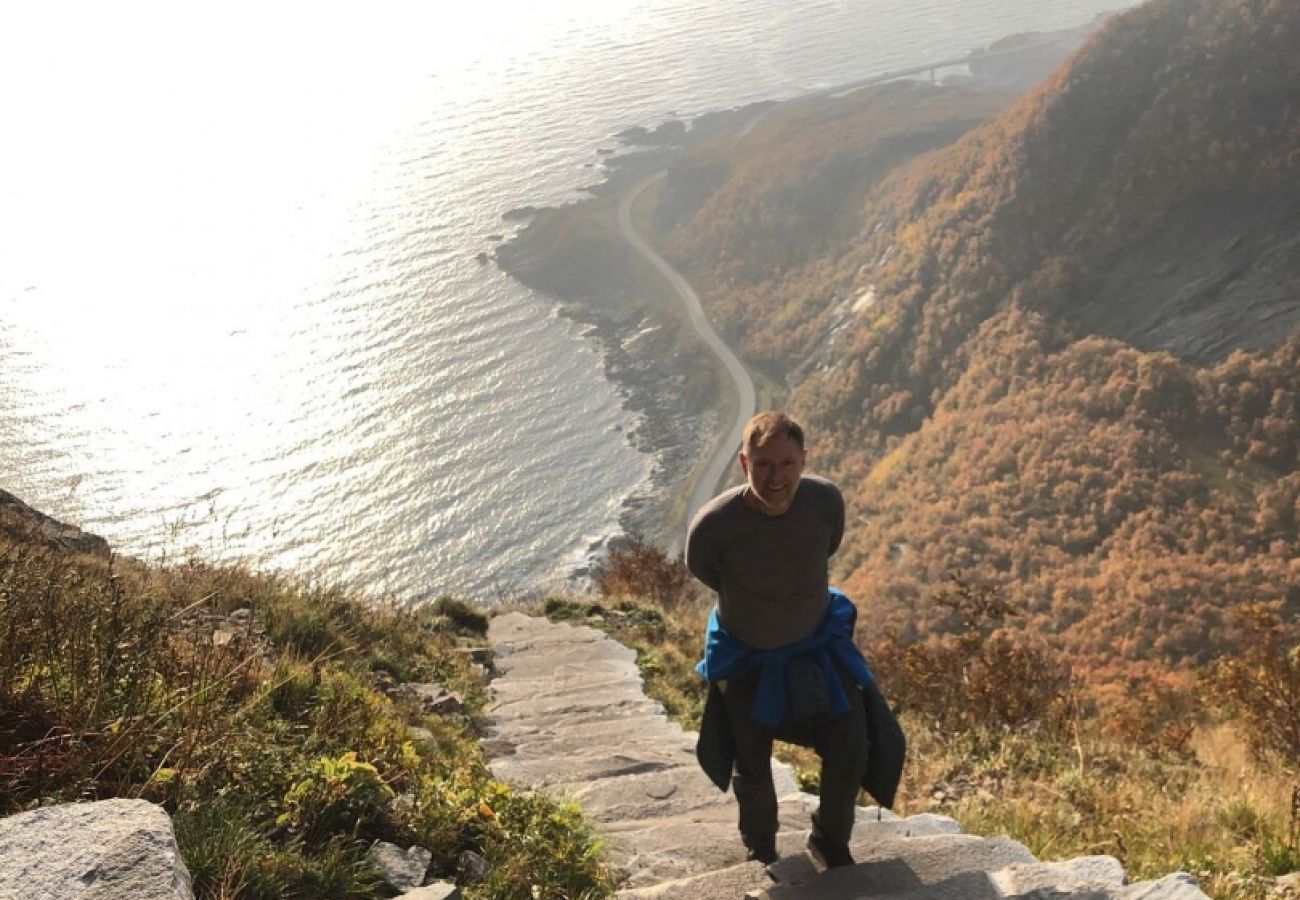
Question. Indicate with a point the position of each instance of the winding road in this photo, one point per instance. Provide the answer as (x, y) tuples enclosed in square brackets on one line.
[(707, 483)]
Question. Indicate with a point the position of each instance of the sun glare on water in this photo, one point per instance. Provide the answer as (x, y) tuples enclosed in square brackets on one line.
[(242, 257)]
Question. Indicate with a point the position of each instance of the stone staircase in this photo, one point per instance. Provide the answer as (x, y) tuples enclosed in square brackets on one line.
[(569, 717)]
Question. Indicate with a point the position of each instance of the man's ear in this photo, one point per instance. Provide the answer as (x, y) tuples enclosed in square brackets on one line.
[(744, 462)]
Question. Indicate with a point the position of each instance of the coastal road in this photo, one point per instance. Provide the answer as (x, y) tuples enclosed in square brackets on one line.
[(707, 484)]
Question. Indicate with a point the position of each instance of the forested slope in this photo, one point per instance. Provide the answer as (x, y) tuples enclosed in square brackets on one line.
[(1055, 353)]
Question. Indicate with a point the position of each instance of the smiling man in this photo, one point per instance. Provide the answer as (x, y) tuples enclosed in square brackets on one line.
[(780, 657)]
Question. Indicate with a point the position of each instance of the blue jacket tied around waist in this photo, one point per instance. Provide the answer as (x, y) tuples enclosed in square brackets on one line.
[(726, 656)]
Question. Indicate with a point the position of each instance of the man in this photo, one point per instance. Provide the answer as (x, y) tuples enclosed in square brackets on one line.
[(780, 650)]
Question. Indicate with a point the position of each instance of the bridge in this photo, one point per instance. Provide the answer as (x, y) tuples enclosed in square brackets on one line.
[(932, 68)]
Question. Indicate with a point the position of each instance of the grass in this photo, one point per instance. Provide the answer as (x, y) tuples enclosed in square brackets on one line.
[(1205, 803), (1214, 812), (255, 710)]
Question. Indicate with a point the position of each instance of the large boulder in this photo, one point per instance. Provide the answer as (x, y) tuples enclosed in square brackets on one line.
[(110, 850), (402, 869), (20, 522)]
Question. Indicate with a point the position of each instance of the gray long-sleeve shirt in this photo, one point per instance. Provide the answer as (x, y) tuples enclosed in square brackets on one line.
[(770, 572)]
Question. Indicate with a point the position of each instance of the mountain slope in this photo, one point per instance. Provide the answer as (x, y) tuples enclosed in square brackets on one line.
[(1173, 111), (982, 358)]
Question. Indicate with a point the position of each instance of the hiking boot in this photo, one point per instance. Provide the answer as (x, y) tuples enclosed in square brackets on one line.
[(760, 848), (827, 853)]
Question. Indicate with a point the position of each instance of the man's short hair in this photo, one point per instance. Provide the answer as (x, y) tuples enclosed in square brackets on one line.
[(771, 424)]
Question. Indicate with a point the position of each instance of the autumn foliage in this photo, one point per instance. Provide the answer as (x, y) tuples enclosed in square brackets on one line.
[(641, 569), (987, 389), (971, 680), (1262, 684)]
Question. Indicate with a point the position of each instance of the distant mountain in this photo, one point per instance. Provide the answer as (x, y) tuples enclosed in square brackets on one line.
[(1058, 353)]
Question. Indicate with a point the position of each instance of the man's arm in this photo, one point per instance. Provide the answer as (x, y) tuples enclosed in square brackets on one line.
[(837, 520), (702, 554)]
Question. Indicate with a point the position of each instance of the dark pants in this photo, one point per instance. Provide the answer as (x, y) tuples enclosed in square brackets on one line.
[(841, 742)]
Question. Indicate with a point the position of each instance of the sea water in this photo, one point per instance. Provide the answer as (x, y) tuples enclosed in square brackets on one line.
[(243, 311)]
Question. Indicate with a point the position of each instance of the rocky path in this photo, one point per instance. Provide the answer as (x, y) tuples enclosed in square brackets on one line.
[(569, 717)]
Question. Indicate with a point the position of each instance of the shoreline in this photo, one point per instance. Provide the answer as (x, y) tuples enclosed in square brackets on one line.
[(576, 255), (742, 396)]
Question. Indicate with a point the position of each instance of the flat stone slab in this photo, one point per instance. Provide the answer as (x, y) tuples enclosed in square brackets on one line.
[(641, 731), (736, 881), (1084, 873), (668, 849), (1177, 886), (442, 890), (893, 863), (650, 795), (882, 823), (521, 725)]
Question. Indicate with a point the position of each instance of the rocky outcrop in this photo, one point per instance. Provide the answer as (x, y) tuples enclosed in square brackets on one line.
[(401, 869), (1219, 274), (20, 522), (105, 850), (432, 698), (570, 717)]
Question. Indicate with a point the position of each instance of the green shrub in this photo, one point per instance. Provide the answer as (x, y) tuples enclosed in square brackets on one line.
[(224, 851), (294, 687), (336, 870), (1240, 818), (310, 627), (561, 609), (536, 842), (463, 617), (335, 794), (1279, 857), (95, 686), (278, 776)]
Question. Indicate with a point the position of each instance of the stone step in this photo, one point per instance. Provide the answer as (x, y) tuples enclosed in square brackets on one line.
[(968, 886), (1175, 886), (520, 721), (570, 717), (599, 700), (577, 732), (664, 849), (890, 864), (883, 823), (1084, 873), (650, 795), (575, 770), (734, 882)]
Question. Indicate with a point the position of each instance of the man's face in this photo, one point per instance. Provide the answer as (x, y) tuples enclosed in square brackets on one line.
[(773, 469)]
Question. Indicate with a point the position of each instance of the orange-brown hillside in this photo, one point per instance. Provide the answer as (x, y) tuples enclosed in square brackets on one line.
[(1054, 353)]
